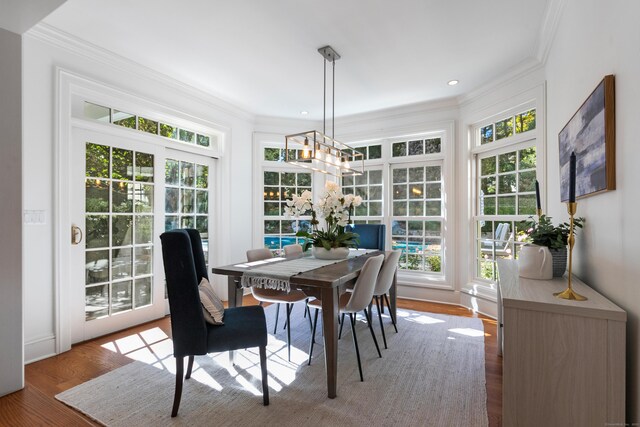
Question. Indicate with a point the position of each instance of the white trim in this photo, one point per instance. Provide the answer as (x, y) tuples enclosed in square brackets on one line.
[(71, 86), (56, 37), (548, 29), (40, 348)]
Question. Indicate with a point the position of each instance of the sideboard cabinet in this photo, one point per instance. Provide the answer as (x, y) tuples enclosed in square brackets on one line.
[(563, 361)]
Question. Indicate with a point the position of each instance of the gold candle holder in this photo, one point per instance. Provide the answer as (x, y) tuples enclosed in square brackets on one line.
[(539, 212), (569, 293)]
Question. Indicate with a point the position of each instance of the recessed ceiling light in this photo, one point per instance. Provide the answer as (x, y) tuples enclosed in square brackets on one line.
[(304, 113), (453, 82)]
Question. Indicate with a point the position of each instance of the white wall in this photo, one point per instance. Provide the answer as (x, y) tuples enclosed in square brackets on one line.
[(11, 326), (43, 51), (597, 38)]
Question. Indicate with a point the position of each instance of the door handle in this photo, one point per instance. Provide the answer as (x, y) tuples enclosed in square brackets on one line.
[(76, 234)]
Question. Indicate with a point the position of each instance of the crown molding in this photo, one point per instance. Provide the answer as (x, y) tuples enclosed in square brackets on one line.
[(58, 38), (524, 68), (548, 29), (398, 112)]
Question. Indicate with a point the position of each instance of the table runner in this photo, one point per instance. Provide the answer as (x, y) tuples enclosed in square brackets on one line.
[(275, 273)]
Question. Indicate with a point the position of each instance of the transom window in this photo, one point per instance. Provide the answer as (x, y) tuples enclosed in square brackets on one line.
[(504, 128), (143, 124), (416, 147)]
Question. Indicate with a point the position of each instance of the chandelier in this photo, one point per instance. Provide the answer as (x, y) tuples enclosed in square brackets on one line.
[(316, 150)]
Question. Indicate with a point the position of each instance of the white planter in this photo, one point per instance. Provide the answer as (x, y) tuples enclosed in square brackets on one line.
[(535, 262), (333, 253)]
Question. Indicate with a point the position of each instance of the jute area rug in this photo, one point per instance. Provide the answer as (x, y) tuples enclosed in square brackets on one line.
[(432, 374)]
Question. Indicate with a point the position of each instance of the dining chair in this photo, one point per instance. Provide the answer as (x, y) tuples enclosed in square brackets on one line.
[(370, 236), (273, 296), (292, 249), (383, 284), (352, 303), (244, 327)]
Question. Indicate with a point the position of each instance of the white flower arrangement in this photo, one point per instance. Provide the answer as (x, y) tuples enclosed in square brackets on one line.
[(336, 210)]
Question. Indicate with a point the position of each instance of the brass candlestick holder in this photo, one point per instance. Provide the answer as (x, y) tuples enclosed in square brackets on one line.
[(539, 212), (569, 293)]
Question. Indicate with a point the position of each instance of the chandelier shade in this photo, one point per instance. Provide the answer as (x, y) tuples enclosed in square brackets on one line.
[(316, 150)]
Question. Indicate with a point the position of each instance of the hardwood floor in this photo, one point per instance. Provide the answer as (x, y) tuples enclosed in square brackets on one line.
[(36, 404)]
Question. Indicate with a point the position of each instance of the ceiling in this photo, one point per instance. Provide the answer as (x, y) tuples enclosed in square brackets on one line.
[(262, 55), (19, 16)]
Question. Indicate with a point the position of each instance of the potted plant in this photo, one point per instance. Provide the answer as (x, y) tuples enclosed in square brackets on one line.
[(541, 231), (333, 241)]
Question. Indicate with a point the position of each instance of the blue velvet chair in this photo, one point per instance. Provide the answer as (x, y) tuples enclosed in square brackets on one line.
[(372, 236), (244, 327)]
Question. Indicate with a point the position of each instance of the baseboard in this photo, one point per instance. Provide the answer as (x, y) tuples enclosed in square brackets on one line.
[(480, 305), (429, 294), (39, 349)]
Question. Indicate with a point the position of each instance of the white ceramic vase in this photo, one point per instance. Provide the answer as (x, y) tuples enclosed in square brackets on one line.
[(333, 253), (535, 262)]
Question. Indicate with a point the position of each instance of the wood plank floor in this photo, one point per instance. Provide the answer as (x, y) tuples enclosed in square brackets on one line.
[(36, 405)]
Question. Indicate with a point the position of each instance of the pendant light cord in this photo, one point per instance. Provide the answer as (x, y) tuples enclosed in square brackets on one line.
[(324, 100), (333, 106)]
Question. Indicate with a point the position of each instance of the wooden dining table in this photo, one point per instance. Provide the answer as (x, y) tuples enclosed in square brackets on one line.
[(324, 283)]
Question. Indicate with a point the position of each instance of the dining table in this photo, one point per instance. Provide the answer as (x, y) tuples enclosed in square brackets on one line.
[(325, 283)]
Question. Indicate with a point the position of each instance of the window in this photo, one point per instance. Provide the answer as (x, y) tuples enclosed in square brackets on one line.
[(505, 188), (119, 230), (368, 186), (155, 127), (506, 127), (416, 147), (416, 220), (277, 187)]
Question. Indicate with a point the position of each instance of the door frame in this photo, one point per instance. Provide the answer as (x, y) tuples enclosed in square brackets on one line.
[(71, 86)]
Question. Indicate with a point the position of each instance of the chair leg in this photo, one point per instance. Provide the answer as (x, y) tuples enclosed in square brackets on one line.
[(306, 309), (341, 325), (275, 327), (355, 343), (393, 319), (263, 368), (178, 393), (384, 338), (313, 334), (189, 368), (366, 314), (288, 309)]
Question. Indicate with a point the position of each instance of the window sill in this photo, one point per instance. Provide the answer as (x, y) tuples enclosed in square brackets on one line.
[(487, 291)]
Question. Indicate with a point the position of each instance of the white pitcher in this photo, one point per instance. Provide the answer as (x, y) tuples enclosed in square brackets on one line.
[(534, 262)]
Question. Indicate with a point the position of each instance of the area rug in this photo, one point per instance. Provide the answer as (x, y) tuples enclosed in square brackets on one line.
[(432, 374)]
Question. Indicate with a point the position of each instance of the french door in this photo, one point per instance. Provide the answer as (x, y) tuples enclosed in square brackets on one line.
[(124, 194)]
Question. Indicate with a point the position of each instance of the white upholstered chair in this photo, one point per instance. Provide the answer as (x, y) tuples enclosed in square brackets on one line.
[(292, 249), (273, 296), (383, 284), (352, 303)]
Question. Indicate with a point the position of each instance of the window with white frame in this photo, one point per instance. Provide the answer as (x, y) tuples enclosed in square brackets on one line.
[(402, 187), (279, 185), (505, 188), (369, 186), (416, 215)]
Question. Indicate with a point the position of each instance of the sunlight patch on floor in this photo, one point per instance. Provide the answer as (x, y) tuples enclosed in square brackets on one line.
[(468, 332)]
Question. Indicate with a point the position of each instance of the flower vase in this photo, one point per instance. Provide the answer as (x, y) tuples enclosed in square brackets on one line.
[(333, 253), (559, 257)]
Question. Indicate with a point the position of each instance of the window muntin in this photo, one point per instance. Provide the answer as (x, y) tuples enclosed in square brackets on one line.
[(278, 186), (416, 215), (147, 125), (506, 195), (369, 186), (508, 126), (416, 147), (119, 230)]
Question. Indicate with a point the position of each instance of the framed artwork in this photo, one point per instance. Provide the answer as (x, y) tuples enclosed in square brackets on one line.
[(591, 134)]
